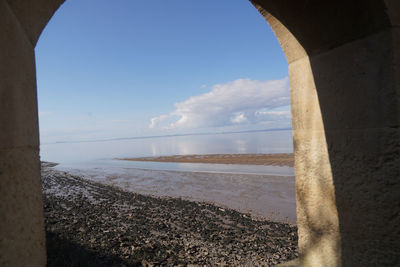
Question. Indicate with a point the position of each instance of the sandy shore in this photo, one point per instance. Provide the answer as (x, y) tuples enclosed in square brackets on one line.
[(248, 159), (91, 224)]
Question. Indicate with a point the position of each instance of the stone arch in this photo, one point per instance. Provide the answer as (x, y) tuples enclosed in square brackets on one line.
[(344, 76)]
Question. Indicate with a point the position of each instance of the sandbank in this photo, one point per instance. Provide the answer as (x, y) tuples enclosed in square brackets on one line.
[(281, 159)]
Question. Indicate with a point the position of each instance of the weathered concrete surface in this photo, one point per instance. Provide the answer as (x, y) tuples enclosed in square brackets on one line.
[(359, 100), (18, 118), (21, 223), (21, 220), (345, 100), (33, 15), (317, 214), (344, 68), (322, 25)]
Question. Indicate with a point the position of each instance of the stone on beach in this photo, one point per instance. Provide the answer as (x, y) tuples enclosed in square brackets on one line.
[(97, 225)]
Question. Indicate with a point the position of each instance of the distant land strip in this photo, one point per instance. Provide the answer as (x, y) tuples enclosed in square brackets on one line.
[(168, 135), (247, 159)]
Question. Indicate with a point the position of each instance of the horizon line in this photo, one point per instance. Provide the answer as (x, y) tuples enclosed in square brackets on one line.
[(163, 136)]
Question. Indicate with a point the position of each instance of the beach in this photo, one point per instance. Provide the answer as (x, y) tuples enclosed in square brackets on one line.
[(278, 159), (263, 191), (94, 224)]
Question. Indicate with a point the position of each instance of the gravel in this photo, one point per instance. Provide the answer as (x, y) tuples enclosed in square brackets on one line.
[(91, 224)]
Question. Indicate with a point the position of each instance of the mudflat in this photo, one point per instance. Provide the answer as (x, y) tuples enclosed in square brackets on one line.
[(281, 159), (92, 224)]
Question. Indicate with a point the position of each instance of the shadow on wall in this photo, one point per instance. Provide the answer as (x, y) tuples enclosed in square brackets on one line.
[(345, 103), (362, 136), (357, 95)]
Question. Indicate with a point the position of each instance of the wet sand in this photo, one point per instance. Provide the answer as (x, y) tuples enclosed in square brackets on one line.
[(247, 159), (92, 224), (265, 196)]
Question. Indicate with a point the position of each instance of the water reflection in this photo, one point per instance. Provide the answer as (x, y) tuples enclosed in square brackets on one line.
[(268, 191), (185, 167), (269, 196), (253, 142)]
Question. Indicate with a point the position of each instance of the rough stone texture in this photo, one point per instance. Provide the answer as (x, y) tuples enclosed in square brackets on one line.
[(292, 48), (21, 220), (355, 84), (368, 204), (33, 15), (322, 25), (18, 114), (359, 102), (345, 106), (396, 66), (347, 152), (317, 217)]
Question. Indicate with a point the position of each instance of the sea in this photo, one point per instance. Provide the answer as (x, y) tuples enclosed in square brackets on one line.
[(261, 191)]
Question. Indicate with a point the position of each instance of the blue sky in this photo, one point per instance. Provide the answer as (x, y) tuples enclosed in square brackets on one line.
[(110, 69)]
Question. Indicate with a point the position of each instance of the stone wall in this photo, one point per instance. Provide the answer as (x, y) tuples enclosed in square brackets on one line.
[(343, 70), (21, 220)]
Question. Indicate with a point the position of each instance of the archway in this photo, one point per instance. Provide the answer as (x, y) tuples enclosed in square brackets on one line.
[(343, 69)]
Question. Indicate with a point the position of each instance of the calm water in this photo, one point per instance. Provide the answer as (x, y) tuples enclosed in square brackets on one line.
[(267, 191), (85, 152)]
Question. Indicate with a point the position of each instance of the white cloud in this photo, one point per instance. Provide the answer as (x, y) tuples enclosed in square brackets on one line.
[(273, 115), (156, 120), (239, 118), (242, 101)]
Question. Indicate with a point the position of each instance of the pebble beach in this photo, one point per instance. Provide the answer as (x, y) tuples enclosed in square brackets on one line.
[(93, 224)]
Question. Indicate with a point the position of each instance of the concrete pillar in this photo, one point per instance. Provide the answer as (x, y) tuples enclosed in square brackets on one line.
[(22, 240), (345, 96), (357, 85), (317, 214)]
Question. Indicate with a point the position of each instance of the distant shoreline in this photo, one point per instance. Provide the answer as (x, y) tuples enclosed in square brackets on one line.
[(281, 159), (168, 135)]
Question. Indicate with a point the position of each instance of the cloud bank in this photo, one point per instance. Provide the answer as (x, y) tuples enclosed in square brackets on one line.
[(241, 102)]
